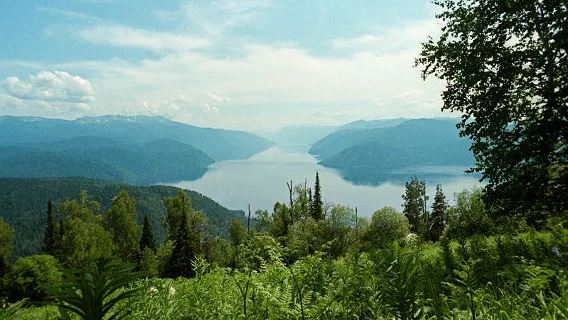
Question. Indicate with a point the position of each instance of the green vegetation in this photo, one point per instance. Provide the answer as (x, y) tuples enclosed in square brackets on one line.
[(504, 63), (23, 205), (106, 159), (499, 253)]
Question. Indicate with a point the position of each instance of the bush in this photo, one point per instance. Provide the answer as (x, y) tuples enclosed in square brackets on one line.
[(386, 226), (31, 276)]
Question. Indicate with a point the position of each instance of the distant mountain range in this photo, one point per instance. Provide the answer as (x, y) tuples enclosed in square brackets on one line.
[(387, 145), (138, 150), (218, 144), (23, 203), (299, 134)]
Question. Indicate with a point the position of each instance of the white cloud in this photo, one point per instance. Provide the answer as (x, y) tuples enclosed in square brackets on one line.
[(393, 39), (50, 86), (122, 36), (217, 98)]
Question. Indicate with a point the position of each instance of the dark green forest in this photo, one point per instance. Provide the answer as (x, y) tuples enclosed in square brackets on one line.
[(23, 204)]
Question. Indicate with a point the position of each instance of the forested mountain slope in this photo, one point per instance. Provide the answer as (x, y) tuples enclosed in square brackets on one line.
[(412, 142), (107, 159), (216, 143), (23, 204)]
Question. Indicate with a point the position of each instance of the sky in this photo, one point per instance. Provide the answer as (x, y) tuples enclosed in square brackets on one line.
[(251, 65)]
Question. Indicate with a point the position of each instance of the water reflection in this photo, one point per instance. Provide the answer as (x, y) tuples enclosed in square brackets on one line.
[(261, 181)]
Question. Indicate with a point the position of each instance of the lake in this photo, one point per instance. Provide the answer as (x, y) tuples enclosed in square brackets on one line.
[(261, 181)]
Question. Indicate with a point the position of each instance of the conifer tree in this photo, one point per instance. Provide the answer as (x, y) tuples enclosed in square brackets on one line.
[(147, 238), (415, 204), (317, 203), (183, 253), (50, 236), (436, 223)]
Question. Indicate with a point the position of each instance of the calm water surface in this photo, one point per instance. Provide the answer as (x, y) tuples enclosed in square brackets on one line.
[(261, 181)]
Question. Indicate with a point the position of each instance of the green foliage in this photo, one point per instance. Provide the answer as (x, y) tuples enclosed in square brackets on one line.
[(50, 238), (6, 244), (415, 204), (237, 232), (120, 220), (469, 216), (436, 223), (317, 202), (148, 264), (147, 237), (85, 237), (94, 293), (504, 63), (386, 225), (30, 277), (26, 213), (258, 251)]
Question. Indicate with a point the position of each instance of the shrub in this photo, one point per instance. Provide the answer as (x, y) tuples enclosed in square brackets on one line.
[(386, 226), (31, 276)]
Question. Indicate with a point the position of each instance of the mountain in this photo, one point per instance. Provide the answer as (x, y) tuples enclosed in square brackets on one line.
[(411, 143), (372, 124), (218, 144), (23, 204), (104, 158), (299, 134)]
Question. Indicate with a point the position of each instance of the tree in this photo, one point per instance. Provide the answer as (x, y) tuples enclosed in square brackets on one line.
[(415, 204), (386, 226), (469, 216), (120, 220), (505, 64), (437, 220), (186, 228), (84, 235), (7, 235), (177, 207), (280, 220), (183, 253), (50, 236), (147, 238), (31, 277), (317, 203), (237, 232)]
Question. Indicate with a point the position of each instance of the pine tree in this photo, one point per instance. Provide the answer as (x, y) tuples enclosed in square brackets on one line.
[(147, 238), (183, 253), (436, 223), (415, 204), (50, 236), (317, 203)]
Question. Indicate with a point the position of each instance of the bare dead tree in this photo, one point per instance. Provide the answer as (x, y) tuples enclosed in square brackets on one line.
[(291, 191)]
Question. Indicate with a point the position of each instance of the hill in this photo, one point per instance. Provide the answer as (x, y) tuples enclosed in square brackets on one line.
[(107, 159), (218, 144), (372, 124), (23, 203), (411, 143)]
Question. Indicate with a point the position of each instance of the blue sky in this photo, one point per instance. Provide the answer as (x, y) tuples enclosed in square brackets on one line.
[(257, 64)]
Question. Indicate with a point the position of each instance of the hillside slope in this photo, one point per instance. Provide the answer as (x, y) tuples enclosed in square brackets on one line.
[(107, 159), (216, 143), (23, 203), (411, 143)]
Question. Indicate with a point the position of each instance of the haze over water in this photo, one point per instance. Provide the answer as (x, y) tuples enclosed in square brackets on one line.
[(261, 181)]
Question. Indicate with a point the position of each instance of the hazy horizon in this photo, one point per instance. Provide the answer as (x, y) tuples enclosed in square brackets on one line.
[(247, 65)]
